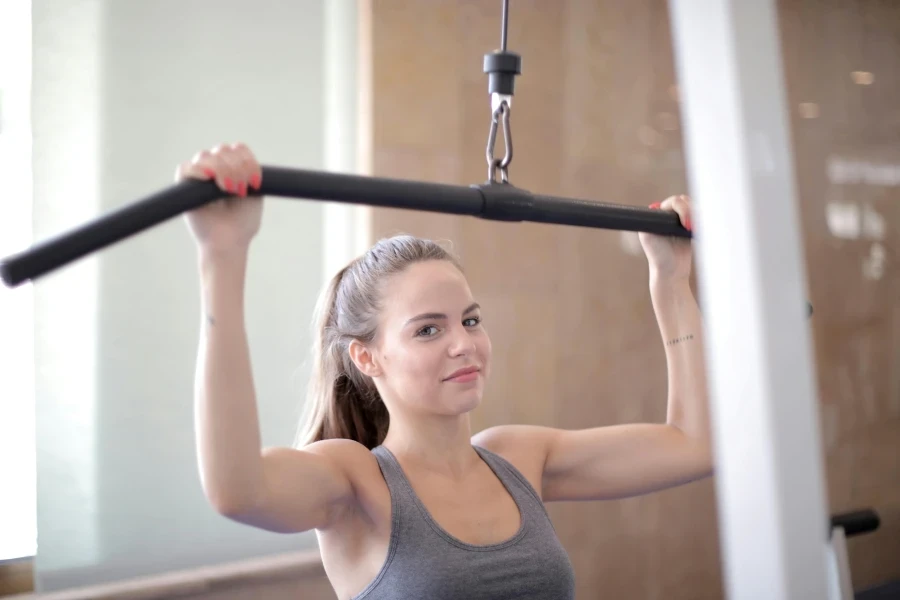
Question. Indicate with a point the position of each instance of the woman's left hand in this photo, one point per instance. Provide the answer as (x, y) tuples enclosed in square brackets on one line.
[(669, 256)]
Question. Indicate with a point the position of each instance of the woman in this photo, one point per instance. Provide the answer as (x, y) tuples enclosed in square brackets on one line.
[(405, 501)]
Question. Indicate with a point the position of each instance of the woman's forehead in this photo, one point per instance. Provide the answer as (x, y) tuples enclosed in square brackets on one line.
[(428, 287)]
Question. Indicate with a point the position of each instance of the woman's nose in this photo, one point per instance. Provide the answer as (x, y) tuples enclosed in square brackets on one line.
[(462, 344)]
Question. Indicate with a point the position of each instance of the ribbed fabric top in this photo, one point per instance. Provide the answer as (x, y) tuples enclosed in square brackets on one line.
[(424, 562)]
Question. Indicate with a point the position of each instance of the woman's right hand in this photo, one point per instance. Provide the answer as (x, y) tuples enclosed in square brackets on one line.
[(230, 223)]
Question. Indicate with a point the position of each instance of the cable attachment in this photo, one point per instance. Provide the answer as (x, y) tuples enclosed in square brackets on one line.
[(502, 68), (501, 114)]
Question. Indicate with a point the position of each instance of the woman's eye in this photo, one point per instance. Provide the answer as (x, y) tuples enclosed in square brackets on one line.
[(427, 331), (472, 322)]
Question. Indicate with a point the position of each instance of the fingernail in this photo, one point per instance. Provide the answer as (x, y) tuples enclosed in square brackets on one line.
[(242, 188), (656, 205), (687, 225), (255, 181), (209, 172), (229, 185)]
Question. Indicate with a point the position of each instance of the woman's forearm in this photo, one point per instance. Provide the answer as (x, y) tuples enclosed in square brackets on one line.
[(681, 329), (226, 420)]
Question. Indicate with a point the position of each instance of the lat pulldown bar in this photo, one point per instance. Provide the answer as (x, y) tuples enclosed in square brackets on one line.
[(493, 201), (499, 201)]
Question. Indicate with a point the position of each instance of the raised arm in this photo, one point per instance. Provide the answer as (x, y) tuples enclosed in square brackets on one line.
[(279, 489), (628, 460)]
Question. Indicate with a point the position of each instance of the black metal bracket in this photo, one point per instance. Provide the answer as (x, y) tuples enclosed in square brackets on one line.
[(504, 202)]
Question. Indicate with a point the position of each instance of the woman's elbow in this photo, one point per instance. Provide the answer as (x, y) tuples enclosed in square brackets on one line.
[(233, 504)]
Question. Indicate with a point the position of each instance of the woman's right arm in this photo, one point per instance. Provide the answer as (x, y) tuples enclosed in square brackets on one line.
[(279, 489)]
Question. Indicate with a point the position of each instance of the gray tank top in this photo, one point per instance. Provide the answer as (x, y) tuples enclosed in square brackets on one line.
[(424, 562)]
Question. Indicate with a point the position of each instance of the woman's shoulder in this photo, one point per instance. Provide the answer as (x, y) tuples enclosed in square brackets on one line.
[(522, 446), (516, 439), (353, 458)]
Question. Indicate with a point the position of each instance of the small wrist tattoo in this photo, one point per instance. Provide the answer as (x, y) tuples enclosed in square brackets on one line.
[(678, 340), (210, 320)]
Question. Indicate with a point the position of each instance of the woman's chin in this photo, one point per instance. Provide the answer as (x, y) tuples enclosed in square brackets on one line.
[(465, 402)]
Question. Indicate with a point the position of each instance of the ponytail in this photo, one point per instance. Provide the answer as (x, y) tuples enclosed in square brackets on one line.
[(342, 402)]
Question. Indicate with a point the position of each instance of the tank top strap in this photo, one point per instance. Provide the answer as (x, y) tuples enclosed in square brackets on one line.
[(403, 497), (512, 478), (390, 468)]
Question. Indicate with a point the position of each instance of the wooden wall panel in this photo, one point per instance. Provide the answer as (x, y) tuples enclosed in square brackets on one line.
[(596, 116), (850, 220)]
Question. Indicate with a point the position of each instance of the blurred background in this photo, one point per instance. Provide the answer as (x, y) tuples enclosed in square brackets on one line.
[(101, 99)]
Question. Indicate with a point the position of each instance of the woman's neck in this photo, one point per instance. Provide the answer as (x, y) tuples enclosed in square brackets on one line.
[(439, 444)]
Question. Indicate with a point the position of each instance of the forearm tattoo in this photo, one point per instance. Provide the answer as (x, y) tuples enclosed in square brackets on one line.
[(678, 340)]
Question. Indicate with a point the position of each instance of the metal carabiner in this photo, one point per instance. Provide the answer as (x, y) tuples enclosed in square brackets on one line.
[(501, 113)]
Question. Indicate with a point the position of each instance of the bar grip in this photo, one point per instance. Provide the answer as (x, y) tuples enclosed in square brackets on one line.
[(105, 230), (489, 201)]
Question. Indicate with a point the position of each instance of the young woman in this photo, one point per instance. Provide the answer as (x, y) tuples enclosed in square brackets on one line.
[(405, 501)]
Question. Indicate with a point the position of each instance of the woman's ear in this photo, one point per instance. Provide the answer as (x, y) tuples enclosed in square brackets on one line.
[(363, 358)]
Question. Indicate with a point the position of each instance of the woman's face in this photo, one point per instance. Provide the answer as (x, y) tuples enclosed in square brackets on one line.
[(432, 353)]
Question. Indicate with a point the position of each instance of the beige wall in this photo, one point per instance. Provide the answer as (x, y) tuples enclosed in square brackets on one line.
[(852, 270)]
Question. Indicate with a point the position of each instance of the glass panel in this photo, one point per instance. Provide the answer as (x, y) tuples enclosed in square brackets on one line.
[(123, 91)]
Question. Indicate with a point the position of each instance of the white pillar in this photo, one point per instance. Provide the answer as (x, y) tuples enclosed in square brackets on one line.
[(347, 227), (769, 474)]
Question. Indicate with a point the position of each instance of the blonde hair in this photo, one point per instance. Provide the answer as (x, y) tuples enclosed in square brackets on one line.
[(341, 401)]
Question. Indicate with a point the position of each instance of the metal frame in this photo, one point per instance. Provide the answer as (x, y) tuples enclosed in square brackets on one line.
[(840, 583), (765, 419)]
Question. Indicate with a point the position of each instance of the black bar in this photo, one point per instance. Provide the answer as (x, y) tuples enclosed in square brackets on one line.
[(492, 201), (856, 522)]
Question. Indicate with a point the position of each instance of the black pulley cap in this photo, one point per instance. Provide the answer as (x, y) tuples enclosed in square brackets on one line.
[(502, 68)]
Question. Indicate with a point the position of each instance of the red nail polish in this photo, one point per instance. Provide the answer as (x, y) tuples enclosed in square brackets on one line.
[(209, 172), (242, 188), (229, 186), (655, 205), (255, 181)]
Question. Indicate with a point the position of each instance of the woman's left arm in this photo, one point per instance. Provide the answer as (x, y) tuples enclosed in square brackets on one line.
[(628, 460), (681, 329)]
